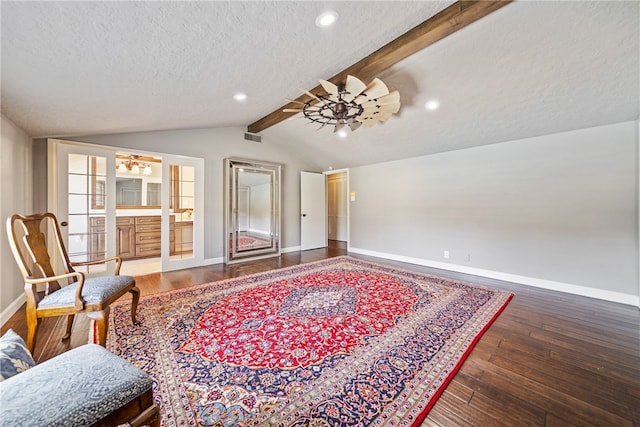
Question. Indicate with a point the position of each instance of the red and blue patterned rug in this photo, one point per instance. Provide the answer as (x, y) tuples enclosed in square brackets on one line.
[(339, 342)]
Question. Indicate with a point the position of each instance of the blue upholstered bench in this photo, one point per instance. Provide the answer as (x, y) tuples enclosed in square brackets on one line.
[(82, 387)]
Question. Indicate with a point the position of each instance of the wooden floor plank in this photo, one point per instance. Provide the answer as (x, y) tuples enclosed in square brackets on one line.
[(551, 359)]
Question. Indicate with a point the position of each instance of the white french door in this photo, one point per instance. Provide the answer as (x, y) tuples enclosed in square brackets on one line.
[(182, 212), (82, 196), (313, 215)]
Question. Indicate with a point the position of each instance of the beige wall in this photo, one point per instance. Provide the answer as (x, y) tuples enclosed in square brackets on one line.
[(557, 211), (15, 197)]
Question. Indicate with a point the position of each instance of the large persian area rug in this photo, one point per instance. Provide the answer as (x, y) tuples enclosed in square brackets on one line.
[(339, 342)]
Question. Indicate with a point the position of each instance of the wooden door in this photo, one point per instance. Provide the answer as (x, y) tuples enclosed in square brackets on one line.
[(313, 215), (337, 206)]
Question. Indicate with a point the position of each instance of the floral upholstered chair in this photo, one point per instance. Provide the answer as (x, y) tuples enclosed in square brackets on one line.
[(36, 243)]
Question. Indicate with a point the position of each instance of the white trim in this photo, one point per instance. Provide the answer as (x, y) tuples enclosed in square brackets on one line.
[(618, 297), (211, 261), (291, 249), (11, 309)]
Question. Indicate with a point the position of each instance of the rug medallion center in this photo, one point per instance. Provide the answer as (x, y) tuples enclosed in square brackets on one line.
[(296, 323)]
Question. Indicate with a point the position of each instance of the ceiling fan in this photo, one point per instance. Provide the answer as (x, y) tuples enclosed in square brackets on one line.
[(351, 103)]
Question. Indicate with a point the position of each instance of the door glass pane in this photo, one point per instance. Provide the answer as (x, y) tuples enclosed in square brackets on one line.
[(183, 202), (86, 219)]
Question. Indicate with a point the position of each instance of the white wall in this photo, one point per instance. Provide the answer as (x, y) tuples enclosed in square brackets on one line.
[(214, 145), (15, 197), (558, 211)]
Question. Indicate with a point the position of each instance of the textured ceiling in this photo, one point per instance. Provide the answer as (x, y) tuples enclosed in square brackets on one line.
[(531, 68), (73, 68)]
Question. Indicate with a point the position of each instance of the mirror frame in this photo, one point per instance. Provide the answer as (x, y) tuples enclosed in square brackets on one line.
[(232, 167)]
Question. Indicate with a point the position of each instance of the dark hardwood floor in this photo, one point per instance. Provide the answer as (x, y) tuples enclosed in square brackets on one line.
[(550, 359)]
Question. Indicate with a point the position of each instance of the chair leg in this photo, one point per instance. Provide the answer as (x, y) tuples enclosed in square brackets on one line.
[(149, 417), (101, 320), (70, 318), (135, 293), (32, 330)]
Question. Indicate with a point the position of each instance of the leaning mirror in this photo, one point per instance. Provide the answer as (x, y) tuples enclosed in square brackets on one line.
[(252, 208)]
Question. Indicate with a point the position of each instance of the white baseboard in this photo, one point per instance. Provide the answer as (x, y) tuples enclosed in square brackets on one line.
[(6, 314), (290, 249), (602, 294), (211, 261)]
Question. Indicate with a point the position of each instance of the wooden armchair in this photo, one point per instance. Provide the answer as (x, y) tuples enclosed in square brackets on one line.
[(89, 295)]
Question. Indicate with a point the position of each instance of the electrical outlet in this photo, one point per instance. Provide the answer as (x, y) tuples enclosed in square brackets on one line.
[(446, 254)]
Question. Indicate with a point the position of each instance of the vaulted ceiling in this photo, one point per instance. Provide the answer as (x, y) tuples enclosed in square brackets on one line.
[(527, 69)]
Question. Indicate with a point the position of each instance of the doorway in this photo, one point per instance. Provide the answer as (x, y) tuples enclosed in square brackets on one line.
[(337, 206), (324, 208), (137, 206)]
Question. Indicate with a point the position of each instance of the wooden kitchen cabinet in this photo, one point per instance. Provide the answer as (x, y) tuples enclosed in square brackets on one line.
[(136, 237), (125, 237), (148, 236), (183, 237)]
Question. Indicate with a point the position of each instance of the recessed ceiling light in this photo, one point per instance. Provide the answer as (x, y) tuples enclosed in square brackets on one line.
[(432, 104), (240, 96), (326, 19)]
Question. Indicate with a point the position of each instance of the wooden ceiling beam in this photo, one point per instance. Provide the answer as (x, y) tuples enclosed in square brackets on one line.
[(439, 26)]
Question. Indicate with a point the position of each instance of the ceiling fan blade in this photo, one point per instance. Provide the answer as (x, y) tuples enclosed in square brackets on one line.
[(291, 110), (295, 101), (338, 127), (374, 117), (369, 123), (391, 108), (376, 89), (354, 125), (392, 98), (312, 95), (331, 89), (363, 118), (354, 87), (383, 116)]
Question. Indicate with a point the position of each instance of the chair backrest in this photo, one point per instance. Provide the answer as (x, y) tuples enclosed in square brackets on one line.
[(28, 239)]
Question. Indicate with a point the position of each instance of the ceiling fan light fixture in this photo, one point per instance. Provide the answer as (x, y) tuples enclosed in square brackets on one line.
[(351, 104)]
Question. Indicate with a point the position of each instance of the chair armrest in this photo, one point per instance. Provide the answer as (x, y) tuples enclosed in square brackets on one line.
[(36, 281), (28, 281), (117, 259)]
